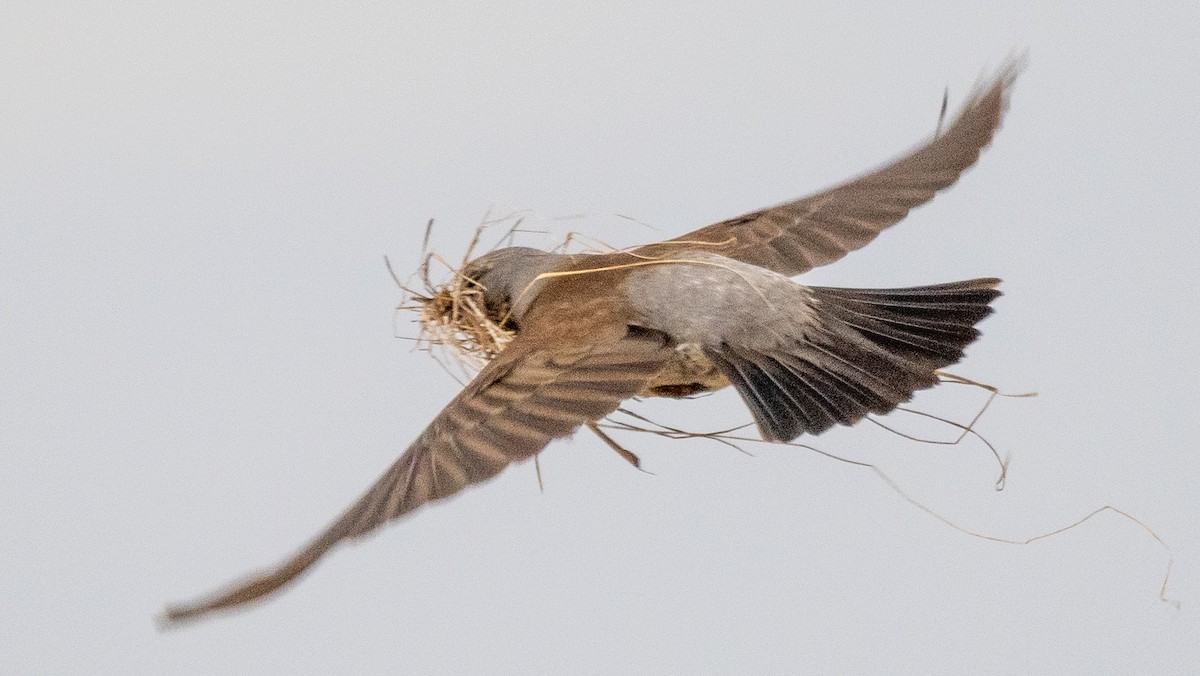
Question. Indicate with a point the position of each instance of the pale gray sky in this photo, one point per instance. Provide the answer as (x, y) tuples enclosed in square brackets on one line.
[(198, 372)]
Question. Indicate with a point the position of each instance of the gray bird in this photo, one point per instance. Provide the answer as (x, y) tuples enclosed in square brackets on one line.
[(696, 313)]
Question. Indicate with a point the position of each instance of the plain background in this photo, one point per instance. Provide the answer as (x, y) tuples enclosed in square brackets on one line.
[(198, 369)]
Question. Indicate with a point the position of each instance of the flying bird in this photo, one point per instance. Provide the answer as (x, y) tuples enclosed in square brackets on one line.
[(711, 308)]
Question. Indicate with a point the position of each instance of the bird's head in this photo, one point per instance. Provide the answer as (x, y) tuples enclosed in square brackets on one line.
[(506, 279)]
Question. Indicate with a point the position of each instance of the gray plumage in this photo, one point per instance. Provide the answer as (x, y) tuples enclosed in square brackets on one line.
[(509, 279)]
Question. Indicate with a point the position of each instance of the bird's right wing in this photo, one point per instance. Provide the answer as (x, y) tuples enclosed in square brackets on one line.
[(510, 411), (797, 236)]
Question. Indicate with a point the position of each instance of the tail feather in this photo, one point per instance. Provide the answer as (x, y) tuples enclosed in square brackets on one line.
[(777, 397), (933, 322), (868, 351)]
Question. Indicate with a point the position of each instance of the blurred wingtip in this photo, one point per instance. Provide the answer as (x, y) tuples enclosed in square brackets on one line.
[(179, 615), (1001, 79), (174, 617)]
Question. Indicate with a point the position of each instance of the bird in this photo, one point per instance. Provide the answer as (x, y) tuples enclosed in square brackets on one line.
[(713, 308)]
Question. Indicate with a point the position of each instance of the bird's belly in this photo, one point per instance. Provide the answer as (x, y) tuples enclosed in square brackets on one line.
[(689, 372)]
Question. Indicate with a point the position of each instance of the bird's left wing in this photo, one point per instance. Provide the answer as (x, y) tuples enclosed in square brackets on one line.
[(797, 236), (526, 397)]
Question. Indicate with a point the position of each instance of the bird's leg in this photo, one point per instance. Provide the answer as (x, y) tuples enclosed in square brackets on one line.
[(621, 451)]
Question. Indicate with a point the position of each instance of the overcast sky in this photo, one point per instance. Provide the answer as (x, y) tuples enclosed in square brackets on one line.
[(198, 367)]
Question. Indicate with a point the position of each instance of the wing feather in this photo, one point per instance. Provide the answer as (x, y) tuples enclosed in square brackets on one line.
[(517, 404), (796, 236)]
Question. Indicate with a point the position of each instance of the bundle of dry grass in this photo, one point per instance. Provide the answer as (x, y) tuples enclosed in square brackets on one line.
[(453, 325), (453, 322)]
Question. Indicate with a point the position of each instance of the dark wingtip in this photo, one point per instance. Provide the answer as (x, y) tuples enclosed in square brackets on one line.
[(250, 590), (174, 617), (179, 615)]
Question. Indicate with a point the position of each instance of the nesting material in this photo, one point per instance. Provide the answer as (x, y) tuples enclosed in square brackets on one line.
[(453, 323)]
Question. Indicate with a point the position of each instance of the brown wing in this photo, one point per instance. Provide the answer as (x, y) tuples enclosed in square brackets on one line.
[(797, 236), (513, 408)]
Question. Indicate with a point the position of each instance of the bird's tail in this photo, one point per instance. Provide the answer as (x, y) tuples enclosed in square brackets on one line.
[(867, 352)]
